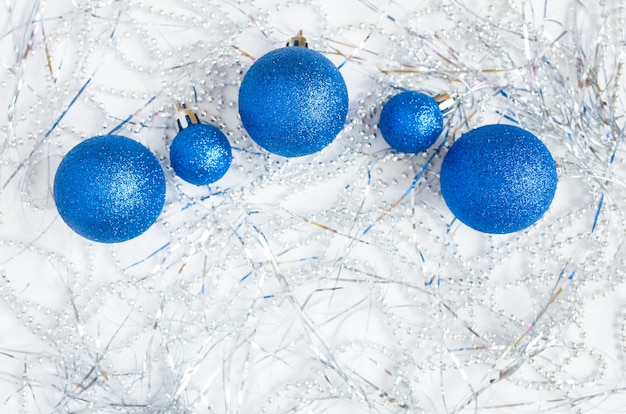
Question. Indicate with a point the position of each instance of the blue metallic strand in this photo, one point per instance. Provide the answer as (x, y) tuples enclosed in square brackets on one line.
[(498, 179), (293, 101), (109, 189), (200, 154), (411, 122)]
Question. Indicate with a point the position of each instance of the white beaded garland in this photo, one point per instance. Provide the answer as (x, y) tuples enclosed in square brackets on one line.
[(366, 293)]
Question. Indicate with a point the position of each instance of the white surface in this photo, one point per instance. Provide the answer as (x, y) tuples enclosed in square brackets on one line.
[(276, 294)]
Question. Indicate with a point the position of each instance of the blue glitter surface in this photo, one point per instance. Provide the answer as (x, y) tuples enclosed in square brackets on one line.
[(109, 189), (411, 122), (293, 101), (200, 154), (498, 179)]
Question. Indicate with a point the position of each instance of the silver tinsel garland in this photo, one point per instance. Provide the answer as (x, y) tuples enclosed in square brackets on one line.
[(335, 283)]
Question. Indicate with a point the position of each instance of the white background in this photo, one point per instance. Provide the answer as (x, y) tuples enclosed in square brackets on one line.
[(335, 283)]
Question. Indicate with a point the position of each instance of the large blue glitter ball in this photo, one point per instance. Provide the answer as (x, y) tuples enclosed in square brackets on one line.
[(200, 154), (109, 189), (293, 101), (498, 179), (411, 122)]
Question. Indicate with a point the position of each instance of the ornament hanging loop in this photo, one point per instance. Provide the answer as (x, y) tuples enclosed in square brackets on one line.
[(184, 116), (298, 40), (447, 101)]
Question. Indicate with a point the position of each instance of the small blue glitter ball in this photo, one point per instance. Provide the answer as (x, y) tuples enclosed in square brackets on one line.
[(498, 179), (293, 101), (411, 122), (200, 154), (109, 189)]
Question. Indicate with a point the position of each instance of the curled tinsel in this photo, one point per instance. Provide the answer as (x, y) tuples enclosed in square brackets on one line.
[(337, 282)]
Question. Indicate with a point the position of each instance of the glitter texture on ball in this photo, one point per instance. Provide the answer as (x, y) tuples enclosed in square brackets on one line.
[(411, 122), (109, 189), (293, 101), (200, 154), (498, 179)]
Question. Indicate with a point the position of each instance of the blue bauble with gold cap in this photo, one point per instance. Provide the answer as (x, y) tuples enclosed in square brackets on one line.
[(200, 154), (293, 101)]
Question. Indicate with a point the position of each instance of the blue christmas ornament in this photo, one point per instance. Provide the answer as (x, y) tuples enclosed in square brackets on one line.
[(411, 122), (498, 179), (109, 189), (293, 101), (200, 154)]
